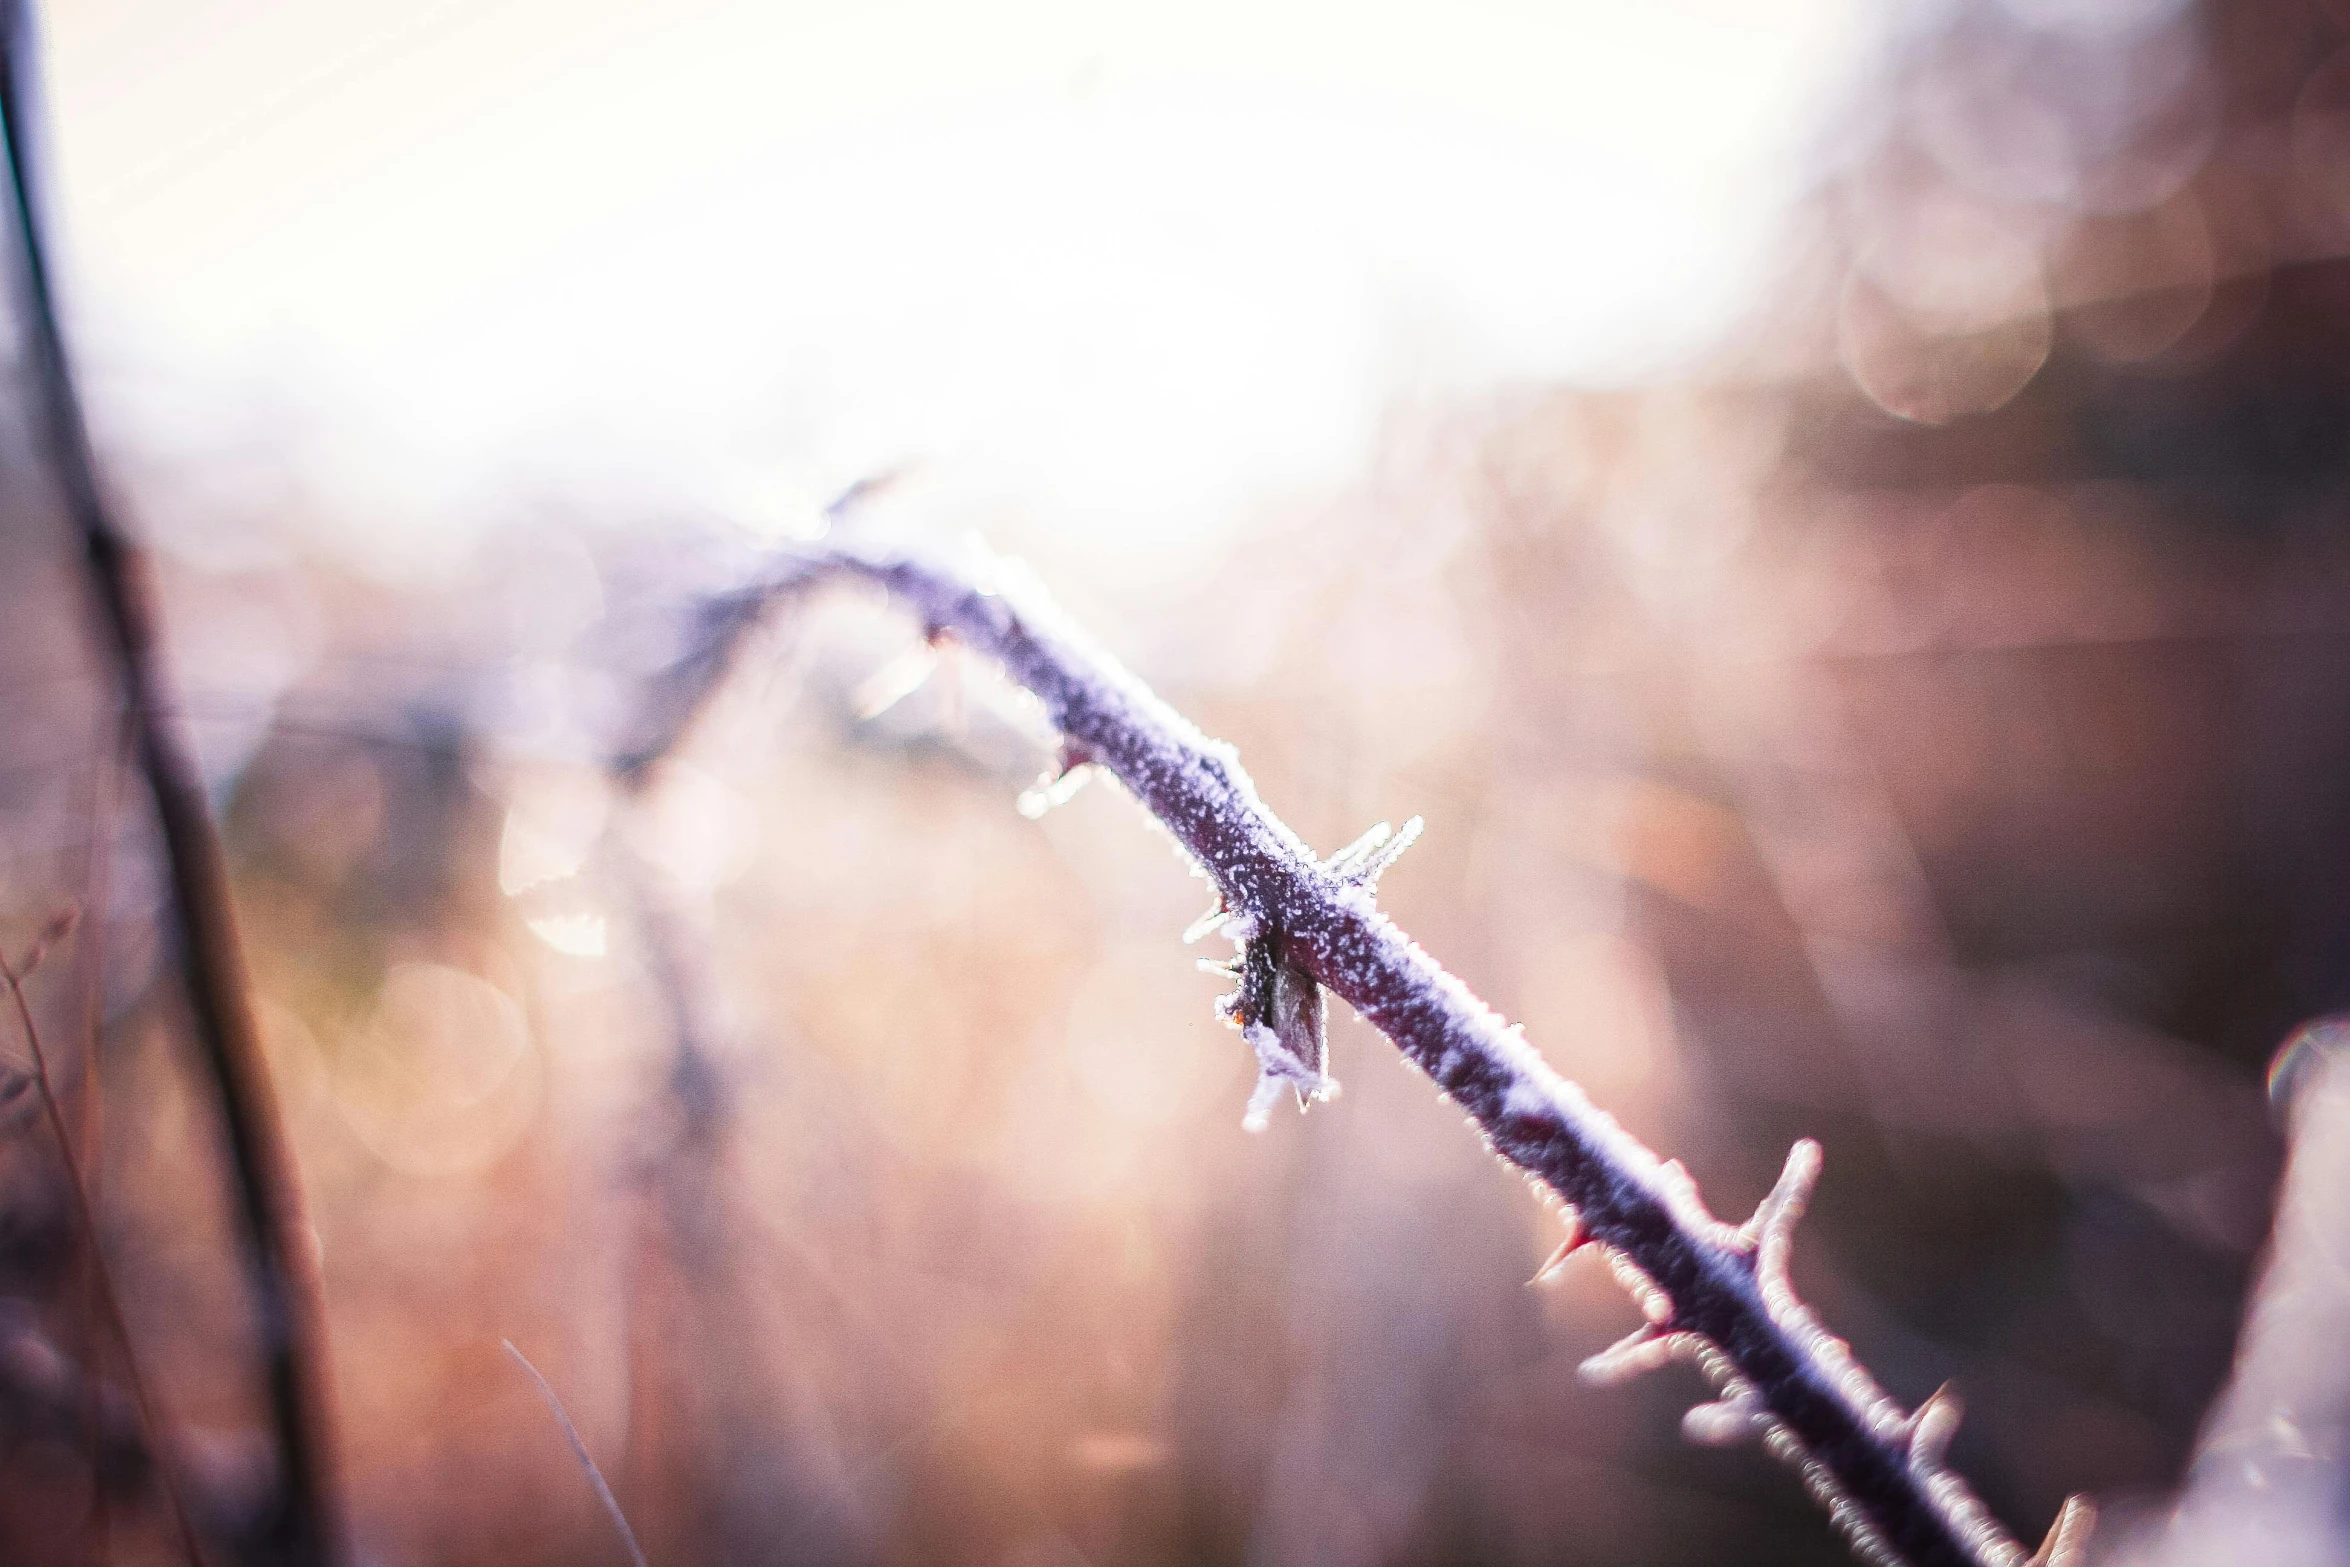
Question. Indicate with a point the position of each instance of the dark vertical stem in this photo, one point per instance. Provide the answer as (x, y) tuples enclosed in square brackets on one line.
[(83, 1157), (109, 1305), (305, 1525)]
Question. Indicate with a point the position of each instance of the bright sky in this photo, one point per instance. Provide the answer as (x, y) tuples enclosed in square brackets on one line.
[(1130, 265)]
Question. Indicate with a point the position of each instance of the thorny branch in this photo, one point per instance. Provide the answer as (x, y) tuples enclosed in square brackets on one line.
[(1713, 1293)]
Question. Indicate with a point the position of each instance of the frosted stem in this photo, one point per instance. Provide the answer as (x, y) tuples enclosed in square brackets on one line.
[(1717, 1294)]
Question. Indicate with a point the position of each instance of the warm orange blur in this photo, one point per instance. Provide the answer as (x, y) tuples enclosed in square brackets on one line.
[(1920, 728)]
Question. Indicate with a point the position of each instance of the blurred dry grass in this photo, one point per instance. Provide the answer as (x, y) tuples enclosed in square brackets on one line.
[(1925, 733)]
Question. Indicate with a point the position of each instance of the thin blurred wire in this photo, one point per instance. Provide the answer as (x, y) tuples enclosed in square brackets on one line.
[(604, 1497)]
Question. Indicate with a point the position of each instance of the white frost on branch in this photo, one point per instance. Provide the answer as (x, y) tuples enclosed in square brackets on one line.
[(1740, 1413), (1278, 1007), (1712, 1293)]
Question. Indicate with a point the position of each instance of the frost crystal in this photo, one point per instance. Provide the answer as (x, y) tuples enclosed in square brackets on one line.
[(2067, 1544), (1363, 861)]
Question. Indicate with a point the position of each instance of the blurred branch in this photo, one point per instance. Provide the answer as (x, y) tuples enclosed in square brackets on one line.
[(1713, 1293), (284, 1271), (86, 1220), (45, 1395), (2273, 1468)]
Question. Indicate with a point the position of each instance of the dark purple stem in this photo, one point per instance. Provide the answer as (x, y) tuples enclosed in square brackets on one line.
[(1860, 1455)]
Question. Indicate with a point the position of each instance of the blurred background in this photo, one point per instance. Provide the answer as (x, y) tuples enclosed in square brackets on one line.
[(1833, 512)]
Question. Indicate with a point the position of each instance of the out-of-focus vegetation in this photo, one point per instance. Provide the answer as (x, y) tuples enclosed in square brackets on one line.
[(1923, 728)]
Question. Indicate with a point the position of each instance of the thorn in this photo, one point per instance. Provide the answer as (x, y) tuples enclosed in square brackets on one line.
[(1771, 1231), (1645, 1348), (1726, 1422), (893, 682), (1060, 783), (2067, 1544), (1206, 924), (1376, 866), (1343, 862), (1576, 1240), (1072, 769), (1932, 1427), (579, 1451)]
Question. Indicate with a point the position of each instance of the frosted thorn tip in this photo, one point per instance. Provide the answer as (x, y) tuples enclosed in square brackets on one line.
[(1932, 1427), (1362, 862), (1727, 1422), (1556, 1262), (1072, 770), (1206, 924), (894, 681), (1645, 1348), (1776, 1215), (2067, 1544)]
